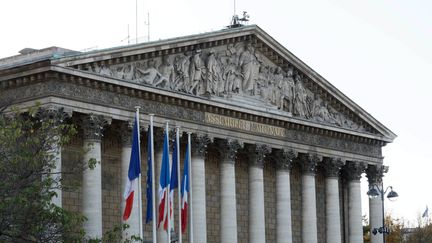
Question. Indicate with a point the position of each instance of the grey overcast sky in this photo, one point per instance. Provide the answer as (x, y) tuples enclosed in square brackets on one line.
[(377, 52)]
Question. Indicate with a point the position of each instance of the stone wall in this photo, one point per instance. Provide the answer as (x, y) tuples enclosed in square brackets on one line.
[(270, 201), (212, 172), (296, 203), (242, 198)]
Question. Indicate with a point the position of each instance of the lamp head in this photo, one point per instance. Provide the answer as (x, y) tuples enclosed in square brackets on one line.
[(373, 192), (392, 194)]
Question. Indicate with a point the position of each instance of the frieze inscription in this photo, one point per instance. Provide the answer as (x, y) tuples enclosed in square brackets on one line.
[(244, 125)]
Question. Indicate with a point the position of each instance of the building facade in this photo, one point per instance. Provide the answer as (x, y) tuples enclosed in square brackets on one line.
[(277, 151)]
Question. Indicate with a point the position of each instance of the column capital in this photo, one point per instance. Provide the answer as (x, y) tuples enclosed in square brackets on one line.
[(284, 159), (200, 141), (228, 149), (332, 166), (126, 133), (53, 113), (93, 126), (375, 173), (309, 162), (354, 170), (257, 154)]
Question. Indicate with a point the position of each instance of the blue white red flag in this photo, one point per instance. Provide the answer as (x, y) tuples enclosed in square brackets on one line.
[(164, 181), (185, 191), (133, 172), (173, 186)]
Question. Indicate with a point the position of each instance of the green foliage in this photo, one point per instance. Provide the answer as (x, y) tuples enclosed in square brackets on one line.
[(29, 143), (28, 148)]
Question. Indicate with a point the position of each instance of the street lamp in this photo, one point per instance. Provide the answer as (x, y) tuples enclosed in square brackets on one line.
[(374, 192)]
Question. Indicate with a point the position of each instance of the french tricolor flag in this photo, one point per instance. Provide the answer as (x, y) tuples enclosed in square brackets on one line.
[(164, 181), (133, 173), (185, 191)]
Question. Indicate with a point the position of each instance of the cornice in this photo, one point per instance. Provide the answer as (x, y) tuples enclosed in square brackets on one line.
[(189, 101)]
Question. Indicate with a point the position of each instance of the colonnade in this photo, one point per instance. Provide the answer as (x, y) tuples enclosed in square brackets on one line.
[(352, 171)]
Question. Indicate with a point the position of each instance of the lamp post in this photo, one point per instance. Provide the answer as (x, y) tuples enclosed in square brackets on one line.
[(374, 192)]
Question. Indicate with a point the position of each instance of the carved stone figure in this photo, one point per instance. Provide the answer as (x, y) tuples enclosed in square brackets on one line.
[(232, 77), (249, 69), (301, 107), (277, 89), (181, 67), (167, 71), (320, 112), (215, 83), (195, 73), (151, 75), (287, 91)]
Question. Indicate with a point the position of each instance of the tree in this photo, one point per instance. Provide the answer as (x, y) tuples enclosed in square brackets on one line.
[(422, 233), (28, 182)]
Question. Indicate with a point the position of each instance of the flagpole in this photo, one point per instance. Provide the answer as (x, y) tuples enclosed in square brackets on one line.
[(190, 190), (178, 183), (154, 237), (168, 195), (139, 177)]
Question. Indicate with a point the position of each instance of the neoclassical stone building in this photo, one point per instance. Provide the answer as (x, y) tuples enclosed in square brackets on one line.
[(277, 155)]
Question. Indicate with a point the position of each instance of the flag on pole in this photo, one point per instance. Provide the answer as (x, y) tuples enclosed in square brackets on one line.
[(426, 212), (133, 173), (149, 212), (164, 181), (173, 186), (185, 191)]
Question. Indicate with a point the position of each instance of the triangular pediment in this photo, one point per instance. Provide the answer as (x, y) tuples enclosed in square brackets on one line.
[(243, 67)]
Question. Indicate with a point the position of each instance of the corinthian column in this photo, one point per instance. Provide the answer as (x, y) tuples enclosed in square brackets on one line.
[(375, 174), (92, 178), (198, 149), (256, 193), (126, 139), (228, 150), (55, 116), (283, 196), (333, 220), (354, 171), (309, 217)]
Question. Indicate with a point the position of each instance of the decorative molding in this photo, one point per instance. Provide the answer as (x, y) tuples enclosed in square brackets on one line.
[(199, 143), (375, 173), (228, 149), (284, 159), (353, 170), (257, 154), (309, 163), (332, 166), (93, 126), (126, 133), (102, 97), (53, 113)]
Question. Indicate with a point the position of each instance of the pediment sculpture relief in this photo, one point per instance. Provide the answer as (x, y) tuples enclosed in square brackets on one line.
[(231, 72)]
